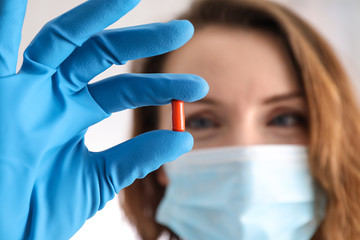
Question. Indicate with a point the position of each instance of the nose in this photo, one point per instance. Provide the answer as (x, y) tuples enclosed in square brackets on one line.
[(244, 133)]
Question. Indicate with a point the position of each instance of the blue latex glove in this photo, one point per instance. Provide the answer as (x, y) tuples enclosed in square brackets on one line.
[(49, 182)]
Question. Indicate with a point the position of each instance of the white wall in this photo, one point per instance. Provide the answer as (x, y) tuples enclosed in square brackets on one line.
[(337, 19)]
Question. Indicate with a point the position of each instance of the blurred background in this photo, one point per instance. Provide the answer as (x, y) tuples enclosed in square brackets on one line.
[(337, 20)]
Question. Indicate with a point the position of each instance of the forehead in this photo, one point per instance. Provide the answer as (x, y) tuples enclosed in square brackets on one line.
[(237, 63)]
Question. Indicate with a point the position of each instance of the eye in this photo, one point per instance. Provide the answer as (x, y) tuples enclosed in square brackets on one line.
[(201, 122), (289, 120)]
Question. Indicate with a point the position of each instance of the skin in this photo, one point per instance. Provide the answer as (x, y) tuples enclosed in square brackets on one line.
[(254, 96)]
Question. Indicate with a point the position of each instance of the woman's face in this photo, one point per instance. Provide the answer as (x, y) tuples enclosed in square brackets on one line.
[(254, 95)]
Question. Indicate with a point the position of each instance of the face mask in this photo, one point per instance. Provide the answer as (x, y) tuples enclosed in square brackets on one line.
[(257, 192)]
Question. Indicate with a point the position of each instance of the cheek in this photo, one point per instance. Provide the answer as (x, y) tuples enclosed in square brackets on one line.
[(293, 135), (219, 141)]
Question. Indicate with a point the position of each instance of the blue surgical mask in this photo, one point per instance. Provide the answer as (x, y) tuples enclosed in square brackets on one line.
[(254, 192)]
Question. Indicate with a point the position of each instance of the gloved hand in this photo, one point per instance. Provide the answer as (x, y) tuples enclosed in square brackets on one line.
[(49, 182)]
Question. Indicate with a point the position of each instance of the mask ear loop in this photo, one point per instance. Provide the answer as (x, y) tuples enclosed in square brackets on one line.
[(321, 201)]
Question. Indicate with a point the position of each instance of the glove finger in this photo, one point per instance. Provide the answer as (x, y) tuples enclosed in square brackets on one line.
[(134, 159), (128, 91), (12, 13), (59, 37), (120, 45)]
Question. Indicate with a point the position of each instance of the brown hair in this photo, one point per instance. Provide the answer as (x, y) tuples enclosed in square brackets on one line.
[(334, 117)]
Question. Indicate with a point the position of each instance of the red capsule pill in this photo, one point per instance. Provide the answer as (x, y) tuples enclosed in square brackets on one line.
[(178, 116)]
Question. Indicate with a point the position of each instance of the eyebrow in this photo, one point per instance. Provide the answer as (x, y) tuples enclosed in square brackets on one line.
[(283, 97), (273, 99)]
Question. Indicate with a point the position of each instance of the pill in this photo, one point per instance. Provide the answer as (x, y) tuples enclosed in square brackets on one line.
[(178, 117)]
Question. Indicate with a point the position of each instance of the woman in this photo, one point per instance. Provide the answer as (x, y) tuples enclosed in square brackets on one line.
[(249, 51)]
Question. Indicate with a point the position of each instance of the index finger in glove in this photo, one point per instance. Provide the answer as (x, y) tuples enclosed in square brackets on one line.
[(117, 46), (58, 38), (128, 91)]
